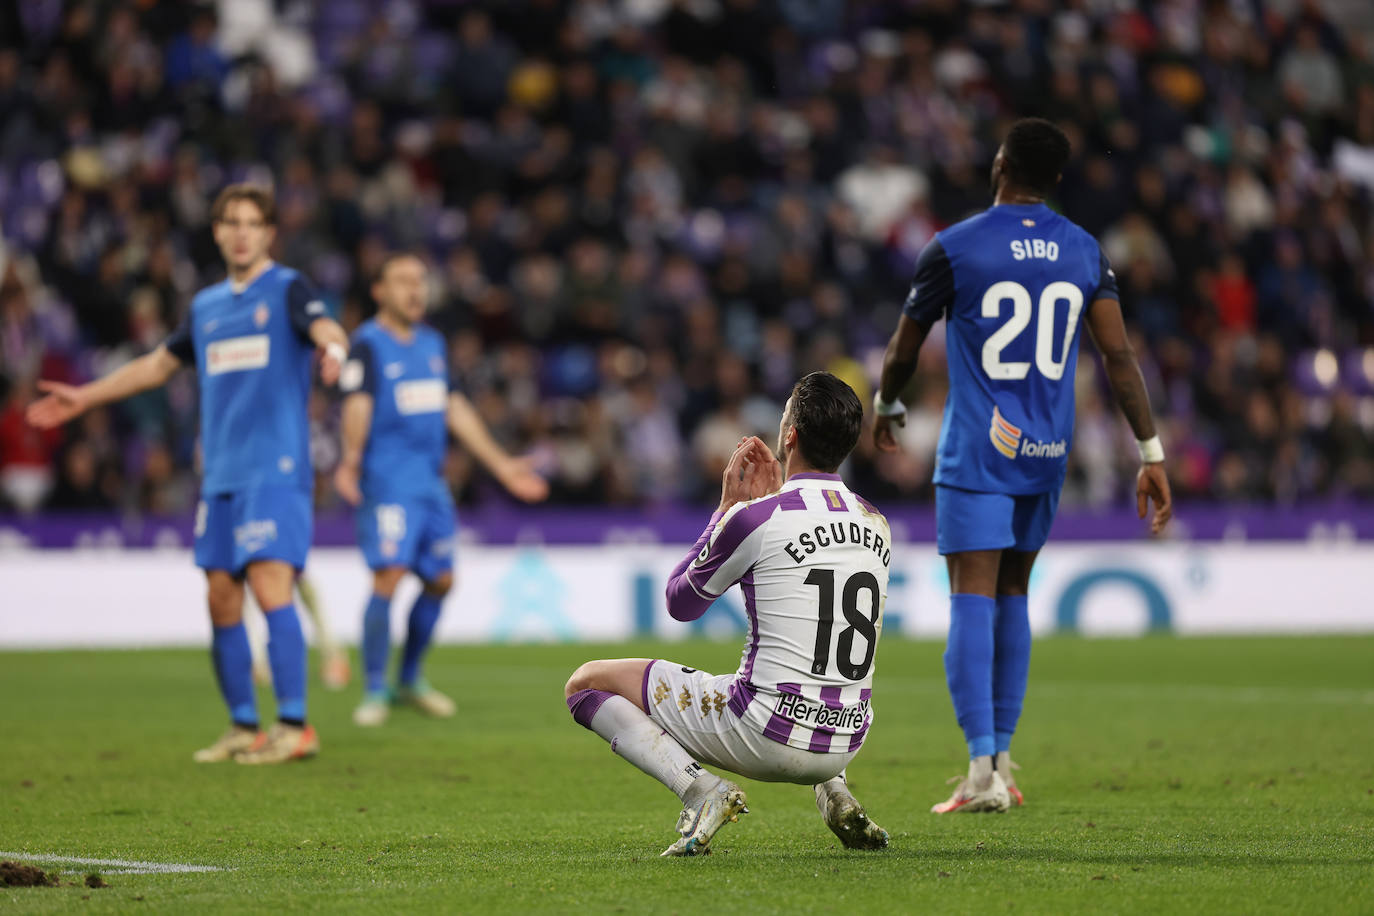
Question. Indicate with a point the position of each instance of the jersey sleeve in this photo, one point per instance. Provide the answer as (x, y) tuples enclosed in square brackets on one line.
[(304, 305), (180, 343), (1106, 280), (358, 373), (932, 290), (725, 552)]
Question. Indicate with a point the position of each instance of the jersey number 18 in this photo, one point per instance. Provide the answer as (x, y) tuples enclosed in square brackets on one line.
[(865, 625), (1050, 366)]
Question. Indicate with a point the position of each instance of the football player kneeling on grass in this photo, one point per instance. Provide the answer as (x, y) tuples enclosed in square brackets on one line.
[(811, 558)]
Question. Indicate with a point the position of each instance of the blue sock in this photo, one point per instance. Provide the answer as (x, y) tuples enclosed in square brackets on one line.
[(234, 670), (376, 642), (1010, 665), (424, 614), (968, 669), (286, 653)]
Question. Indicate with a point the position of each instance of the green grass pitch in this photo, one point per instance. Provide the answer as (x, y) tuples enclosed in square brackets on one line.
[(1162, 775)]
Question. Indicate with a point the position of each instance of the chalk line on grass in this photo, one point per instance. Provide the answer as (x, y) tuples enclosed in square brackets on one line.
[(116, 866)]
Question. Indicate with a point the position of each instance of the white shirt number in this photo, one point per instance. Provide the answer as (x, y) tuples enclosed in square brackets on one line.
[(1050, 365)]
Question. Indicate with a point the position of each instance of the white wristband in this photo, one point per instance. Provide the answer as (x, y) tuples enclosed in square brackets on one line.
[(1151, 450), (337, 351), (887, 408)]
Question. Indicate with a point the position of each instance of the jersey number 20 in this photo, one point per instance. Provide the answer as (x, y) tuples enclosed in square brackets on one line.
[(1050, 366), (860, 623)]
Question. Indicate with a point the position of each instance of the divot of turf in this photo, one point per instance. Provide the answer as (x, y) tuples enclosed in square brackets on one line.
[(13, 874)]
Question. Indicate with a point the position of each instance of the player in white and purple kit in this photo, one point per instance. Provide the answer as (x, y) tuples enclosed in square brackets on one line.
[(811, 559), (251, 339)]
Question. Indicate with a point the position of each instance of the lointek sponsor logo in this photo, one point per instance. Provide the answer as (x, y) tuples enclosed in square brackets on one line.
[(237, 354), (1011, 442)]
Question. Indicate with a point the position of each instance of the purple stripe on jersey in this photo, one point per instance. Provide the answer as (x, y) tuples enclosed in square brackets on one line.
[(778, 729), (741, 695), (746, 587), (858, 737), (793, 689), (814, 475), (791, 500), (866, 504), (830, 696), (865, 693), (584, 704), (820, 740), (644, 686), (834, 501), (740, 525)]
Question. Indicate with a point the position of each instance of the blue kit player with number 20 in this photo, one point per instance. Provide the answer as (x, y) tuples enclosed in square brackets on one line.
[(1013, 284)]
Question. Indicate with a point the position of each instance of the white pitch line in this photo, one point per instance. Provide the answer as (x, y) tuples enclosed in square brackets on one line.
[(123, 866)]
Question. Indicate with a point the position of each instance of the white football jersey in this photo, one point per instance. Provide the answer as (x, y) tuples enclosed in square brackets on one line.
[(811, 561)]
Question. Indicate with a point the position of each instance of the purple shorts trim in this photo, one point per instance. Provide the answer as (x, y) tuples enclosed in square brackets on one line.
[(644, 686)]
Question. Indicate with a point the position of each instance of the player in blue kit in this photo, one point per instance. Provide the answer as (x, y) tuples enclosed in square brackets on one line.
[(1012, 283), (399, 408), (252, 339)]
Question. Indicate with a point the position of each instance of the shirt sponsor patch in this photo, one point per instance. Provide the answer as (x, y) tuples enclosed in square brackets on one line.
[(421, 396), (237, 354), (817, 715)]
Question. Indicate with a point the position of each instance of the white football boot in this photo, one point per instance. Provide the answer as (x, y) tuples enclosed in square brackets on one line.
[(846, 818), (705, 811), (982, 790)]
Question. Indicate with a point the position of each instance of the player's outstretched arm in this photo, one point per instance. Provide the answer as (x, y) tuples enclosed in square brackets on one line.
[(1108, 331), (516, 474), (62, 403), (899, 364), (354, 426), (332, 340)]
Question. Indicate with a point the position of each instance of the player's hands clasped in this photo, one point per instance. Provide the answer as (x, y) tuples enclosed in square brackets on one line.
[(752, 472), (59, 404), (1152, 485)]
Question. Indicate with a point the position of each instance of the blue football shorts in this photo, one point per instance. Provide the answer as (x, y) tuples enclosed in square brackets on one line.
[(969, 520), (264, 523), (417, 533)]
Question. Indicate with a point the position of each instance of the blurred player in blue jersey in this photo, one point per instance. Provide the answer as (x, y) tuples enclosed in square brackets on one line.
[(398, 410), (1012, 283), (251, 339)]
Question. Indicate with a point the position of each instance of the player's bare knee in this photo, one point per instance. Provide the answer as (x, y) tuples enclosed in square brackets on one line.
[(224, 596), (384, 581), (440, 585), (584, 678)]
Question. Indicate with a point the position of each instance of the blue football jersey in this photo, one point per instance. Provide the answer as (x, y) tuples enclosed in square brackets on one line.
[(1013, 283), (409, 385), (252, 352)]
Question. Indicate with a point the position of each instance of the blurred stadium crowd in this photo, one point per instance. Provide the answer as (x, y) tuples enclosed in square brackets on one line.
[(646, 218)]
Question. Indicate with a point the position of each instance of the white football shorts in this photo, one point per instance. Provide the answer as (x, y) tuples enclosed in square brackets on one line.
[(692, 706)]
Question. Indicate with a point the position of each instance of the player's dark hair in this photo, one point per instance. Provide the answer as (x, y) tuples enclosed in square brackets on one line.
[(826, 414), (259, 196), (1034, 155), (391, 258)]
